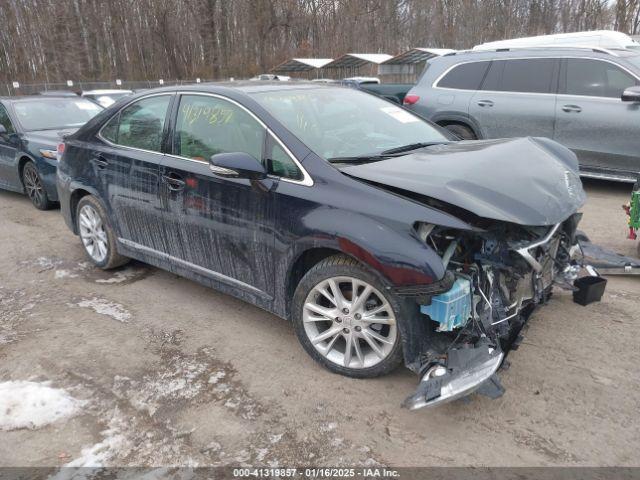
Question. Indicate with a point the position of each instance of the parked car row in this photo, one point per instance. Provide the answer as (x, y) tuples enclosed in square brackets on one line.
[(587, 98), (379, 235)]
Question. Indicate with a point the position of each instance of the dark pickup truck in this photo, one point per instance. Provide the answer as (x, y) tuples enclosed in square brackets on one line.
[(394, 92)]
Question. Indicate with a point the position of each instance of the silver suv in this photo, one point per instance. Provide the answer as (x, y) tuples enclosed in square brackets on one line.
[(585, 98)]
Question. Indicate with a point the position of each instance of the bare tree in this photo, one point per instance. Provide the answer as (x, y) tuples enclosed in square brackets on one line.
[(52, 40)]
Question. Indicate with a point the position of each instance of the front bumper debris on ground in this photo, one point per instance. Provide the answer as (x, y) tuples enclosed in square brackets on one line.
[(466, 370)]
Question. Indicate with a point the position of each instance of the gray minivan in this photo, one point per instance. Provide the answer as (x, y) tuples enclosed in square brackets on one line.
[(585, 98)]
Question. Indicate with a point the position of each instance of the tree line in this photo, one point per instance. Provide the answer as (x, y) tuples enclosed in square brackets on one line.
[(55, 40)]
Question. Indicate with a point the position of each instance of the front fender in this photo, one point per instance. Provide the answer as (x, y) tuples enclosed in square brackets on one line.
[(394, 251)]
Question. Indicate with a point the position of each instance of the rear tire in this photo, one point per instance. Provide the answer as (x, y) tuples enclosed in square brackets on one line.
[(34, 187), (365, 325), (461, 131), (97, 236)]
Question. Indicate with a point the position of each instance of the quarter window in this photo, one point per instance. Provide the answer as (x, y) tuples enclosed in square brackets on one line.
[(595, 78), (139, 125), (5, 121), (467, 76), (209, 125), (533, 75)]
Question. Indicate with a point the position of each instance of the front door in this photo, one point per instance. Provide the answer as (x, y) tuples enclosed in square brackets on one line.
[(8, 169), (127, 166), (219, 227), (591, 118), (517, 99)]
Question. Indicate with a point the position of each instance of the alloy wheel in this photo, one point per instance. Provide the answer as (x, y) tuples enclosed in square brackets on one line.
[(349, 322), (92, 233), (33, 185)]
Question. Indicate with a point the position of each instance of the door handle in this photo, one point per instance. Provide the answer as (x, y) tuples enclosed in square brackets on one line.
[(571, 108), (174, 182), (100, 162), (485, 103)]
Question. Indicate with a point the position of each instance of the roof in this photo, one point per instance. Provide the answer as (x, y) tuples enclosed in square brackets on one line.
[(105, 91), (417, 55), (547, 50), (301, 64), (595, 38), (42, 98), (358, 60)]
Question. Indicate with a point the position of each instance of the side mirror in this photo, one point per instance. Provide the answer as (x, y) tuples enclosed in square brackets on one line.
[(237, 165), (3, 131), (631, 94)]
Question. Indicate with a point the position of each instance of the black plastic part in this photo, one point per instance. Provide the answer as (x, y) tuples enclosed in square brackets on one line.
[(492, 388), (590, 289)]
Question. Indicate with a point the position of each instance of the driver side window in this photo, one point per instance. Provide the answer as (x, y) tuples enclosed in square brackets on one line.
[(209, 125)]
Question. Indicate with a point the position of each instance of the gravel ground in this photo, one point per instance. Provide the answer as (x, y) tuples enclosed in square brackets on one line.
[(146, 368)]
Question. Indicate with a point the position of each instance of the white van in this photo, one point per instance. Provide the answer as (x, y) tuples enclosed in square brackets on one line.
[(597, 38)]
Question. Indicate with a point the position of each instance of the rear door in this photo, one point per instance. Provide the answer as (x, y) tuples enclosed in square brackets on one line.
[(8, 148), (449, 98), (517, 98), (592, 119), (126, 167), (219, 227)]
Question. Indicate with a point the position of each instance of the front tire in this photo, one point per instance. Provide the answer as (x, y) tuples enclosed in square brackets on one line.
[(345, 322), (97, 236), (34, 187)]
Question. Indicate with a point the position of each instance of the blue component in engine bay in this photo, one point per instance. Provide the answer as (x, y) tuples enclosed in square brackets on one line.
[(452, 308)]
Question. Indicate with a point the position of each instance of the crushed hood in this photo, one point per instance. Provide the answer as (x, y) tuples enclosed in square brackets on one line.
[(527, 181)]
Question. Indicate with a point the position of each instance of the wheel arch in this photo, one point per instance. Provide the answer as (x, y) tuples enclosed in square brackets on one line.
[(22, 161), (456, 119), (304, 262), (76, 195)]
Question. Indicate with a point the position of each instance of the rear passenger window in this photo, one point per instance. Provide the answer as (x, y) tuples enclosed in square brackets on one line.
[(595, 78), (139, 125), (467, 76), (533, 75)]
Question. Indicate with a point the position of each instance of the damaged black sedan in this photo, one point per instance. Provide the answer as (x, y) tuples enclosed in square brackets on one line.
[(382, 238)]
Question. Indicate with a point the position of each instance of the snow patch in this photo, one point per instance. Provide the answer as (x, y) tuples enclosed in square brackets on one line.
[(105, 307), (121, 276), (44, 263), (115, 441), (33, 405), (65, 274)]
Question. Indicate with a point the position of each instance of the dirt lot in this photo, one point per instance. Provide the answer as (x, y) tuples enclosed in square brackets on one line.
[(160, 370)]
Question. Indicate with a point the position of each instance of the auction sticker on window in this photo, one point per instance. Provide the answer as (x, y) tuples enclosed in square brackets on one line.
[(400, 115)]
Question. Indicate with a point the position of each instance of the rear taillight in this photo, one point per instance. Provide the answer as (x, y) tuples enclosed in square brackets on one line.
[(410, 99), (60, 151)]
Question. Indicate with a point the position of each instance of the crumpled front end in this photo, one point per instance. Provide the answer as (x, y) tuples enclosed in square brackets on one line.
[(496, 278)]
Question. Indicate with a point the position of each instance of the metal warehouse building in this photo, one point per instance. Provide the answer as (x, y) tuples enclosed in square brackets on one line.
[(407, 66), (355, 64), (302, 67)]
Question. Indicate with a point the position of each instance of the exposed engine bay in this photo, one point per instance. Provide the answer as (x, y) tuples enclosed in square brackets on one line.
[(495, 279)]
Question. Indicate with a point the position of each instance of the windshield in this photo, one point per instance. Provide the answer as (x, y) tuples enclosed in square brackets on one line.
[(50, 114), (341, 122)]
